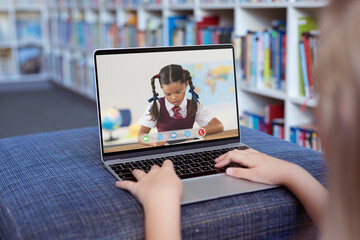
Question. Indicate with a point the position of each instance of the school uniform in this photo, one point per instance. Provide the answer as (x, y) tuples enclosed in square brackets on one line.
[(169, 121)]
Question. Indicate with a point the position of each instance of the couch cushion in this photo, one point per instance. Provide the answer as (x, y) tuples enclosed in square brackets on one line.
[(53, 185)]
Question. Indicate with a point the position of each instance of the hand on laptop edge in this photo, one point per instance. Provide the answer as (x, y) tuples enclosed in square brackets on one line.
[(270, 170)]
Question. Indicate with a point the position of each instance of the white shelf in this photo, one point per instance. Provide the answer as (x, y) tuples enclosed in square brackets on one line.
[(319, 4), (303, 101), (271, 93), (264, 5), (217, 6)]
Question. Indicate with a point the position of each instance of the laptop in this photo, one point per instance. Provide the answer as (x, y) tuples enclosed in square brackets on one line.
[(125, 96)]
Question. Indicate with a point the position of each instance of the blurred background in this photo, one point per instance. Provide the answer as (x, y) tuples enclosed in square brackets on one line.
[(46, 57)]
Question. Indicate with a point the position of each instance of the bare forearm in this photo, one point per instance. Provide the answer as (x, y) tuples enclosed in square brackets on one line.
[(162, 220), (214, 126), (309, 191)]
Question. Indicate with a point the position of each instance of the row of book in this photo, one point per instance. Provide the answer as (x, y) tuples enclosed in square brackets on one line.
[(20, 2), (184, 30), (263, 57), (6, 67), (308, 50), (271, 121), (4, 27), (28, 26), (306, 136), (266, 119), (30, 61), (308, 47), (74, 72), (88, 31)]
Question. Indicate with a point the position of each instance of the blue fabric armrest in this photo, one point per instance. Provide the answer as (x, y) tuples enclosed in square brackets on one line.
[(54, 185)]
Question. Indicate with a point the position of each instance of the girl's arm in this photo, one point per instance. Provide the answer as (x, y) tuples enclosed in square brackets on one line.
[(214, 126), (143, 130), (266, 169), (159, 191)]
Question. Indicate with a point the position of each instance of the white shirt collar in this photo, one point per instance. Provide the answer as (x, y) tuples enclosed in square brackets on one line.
[(182, 105)]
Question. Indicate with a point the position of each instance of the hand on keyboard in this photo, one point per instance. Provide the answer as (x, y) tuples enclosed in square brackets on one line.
[(158, 183)]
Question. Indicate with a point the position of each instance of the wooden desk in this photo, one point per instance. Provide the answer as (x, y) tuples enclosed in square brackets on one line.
[(223, 134)]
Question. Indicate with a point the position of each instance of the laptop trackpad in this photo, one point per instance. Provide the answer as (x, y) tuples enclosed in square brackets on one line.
[(216, 186)]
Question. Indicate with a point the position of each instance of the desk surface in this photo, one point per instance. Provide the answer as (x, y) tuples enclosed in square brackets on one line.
[(54, 186), (223, 134)]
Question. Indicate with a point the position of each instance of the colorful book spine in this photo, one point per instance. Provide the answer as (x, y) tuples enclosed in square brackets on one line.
[(254, 121), (308, 46), (267, 59), (304, 70), (306, 136)]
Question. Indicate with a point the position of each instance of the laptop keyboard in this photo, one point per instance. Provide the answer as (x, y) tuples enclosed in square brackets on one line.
[(185, 165)]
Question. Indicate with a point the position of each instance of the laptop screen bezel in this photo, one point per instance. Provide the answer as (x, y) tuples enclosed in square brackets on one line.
[(161, 149)]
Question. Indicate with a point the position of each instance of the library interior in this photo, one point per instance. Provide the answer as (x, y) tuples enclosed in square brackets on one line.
[(48, 46), (47, 80)]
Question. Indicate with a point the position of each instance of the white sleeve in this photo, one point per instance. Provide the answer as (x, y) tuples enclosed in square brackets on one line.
[(203, 116), (145, 119)]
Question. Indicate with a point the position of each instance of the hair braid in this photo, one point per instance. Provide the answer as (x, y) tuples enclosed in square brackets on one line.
[(154, 112), (193, 104)]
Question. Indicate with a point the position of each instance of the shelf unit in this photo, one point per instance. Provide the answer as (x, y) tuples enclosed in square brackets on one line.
[(108, 22), (23, 41)]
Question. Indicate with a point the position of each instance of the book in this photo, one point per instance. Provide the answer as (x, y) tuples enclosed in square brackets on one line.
[(6, 68), (205, 22), (277, 126), (305, 24), (305, 79), (254, 120), (273, 111), (175, 24), (4, 27), (30, 60), (309, 64), (28, 26), (306, 135)]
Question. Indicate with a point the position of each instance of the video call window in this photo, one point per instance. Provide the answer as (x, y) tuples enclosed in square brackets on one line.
[(194, 94)]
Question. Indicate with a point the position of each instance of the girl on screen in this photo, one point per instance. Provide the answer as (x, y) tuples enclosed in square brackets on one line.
[(175, 111)]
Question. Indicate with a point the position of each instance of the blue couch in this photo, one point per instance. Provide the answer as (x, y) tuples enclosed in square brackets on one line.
[(54, 186)]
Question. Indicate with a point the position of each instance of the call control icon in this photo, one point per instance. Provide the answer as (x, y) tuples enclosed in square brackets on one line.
[(173, 135), (187, 133), (145, 138), (160, 137), (201, 132)]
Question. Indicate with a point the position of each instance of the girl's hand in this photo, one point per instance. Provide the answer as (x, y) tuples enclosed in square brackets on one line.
[(159, 185), (260, 167), (159, 191)]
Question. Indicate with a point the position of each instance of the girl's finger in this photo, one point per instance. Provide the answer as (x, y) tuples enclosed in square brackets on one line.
[(224, 160), (138, 173), (168, 163), (244, 173), (126, 185), (153, 167), (218, 159)]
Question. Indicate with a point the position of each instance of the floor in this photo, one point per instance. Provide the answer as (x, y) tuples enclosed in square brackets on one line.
[(29, 108)]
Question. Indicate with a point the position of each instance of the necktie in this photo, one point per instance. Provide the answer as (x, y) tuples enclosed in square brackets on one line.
[(176, 110)]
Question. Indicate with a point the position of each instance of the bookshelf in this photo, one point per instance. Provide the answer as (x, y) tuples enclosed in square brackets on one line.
[(23, 41), (78, 27)]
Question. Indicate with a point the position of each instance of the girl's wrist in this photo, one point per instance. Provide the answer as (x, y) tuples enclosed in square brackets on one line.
[(291, 174), (162, 203)]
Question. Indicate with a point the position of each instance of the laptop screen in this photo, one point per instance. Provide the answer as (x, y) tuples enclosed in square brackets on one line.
[(157, 98)]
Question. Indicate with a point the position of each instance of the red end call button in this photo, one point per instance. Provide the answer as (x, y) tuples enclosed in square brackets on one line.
[(201, 132)]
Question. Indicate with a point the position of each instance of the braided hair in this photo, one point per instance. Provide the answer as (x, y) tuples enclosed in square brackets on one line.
[(172, 74)]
